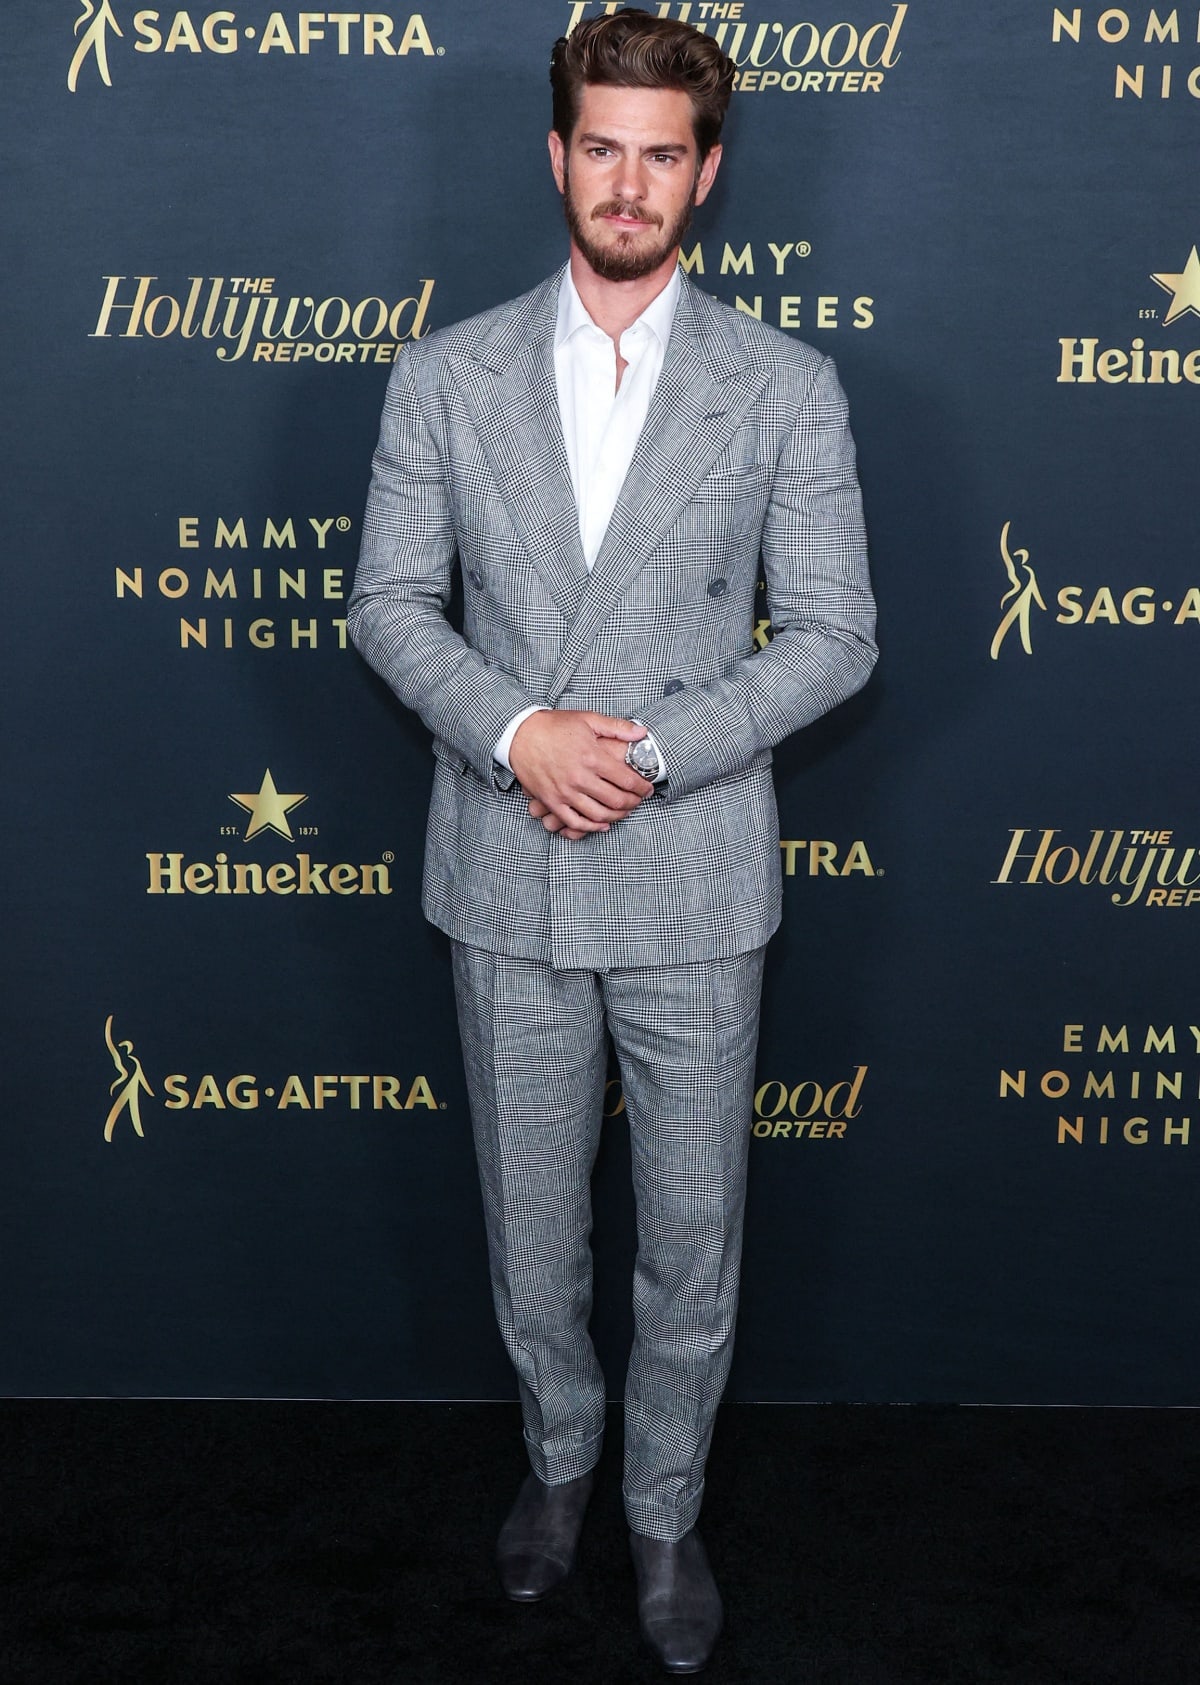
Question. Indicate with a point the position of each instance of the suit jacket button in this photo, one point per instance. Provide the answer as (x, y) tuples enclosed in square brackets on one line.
[(477, 579), (717, 587), (672, 687)]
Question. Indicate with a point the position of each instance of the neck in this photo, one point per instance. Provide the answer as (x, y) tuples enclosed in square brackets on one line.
[(616, 305)]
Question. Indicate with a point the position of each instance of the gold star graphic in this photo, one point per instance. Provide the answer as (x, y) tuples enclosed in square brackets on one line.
[(1185, 287), (268, 810)]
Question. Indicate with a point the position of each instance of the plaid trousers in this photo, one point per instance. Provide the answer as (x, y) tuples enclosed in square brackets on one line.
[(535, 1051)]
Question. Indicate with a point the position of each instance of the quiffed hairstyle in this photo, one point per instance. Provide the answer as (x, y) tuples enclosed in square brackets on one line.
[(632, 49)]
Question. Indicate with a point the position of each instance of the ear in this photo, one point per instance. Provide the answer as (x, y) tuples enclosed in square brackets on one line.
[(558, 156), (708, 174)]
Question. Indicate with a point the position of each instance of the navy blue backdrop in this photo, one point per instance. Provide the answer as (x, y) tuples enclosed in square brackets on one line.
[(236, 1154)]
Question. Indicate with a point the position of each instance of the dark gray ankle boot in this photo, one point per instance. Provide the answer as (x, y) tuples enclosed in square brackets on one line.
[(536, 1548)]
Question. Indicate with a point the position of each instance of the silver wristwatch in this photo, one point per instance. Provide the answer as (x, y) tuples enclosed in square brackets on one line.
[(643, 757)]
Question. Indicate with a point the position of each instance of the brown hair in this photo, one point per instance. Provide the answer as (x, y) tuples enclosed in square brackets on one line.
[(632, 49)]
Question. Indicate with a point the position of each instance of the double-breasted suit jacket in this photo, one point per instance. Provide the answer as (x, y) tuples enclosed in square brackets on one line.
[(745, 454)]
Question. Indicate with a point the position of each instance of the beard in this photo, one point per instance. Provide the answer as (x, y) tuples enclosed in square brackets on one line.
[(628, 258)]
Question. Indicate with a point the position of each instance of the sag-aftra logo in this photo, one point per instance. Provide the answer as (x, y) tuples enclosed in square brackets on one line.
[(327, 1092), (1116, 603), (105, 31)]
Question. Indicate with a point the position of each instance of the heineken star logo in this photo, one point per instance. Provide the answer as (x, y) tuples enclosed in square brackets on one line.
[(1184, 289), (268, 808)]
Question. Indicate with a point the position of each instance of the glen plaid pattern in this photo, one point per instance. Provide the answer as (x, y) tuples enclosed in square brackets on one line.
[(745, 451), (534, 1047)]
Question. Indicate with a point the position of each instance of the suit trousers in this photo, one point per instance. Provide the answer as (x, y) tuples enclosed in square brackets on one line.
[(535, 1051)]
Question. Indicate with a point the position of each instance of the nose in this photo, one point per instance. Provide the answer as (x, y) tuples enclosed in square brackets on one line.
[(631, 177)]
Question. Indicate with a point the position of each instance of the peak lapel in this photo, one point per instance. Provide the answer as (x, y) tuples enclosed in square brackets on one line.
[(512, 394), (702, 394)]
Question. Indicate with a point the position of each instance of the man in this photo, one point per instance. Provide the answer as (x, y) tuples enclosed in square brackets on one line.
[(608, 457)]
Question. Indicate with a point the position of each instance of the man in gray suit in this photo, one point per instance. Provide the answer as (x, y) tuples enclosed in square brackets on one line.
[(609, 458)]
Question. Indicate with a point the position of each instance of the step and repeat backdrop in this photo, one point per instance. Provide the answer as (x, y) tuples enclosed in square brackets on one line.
[(235, 1145)]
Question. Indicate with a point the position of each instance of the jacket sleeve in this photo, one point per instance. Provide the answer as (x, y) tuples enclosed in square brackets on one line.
[(397, 611), (819, 598)]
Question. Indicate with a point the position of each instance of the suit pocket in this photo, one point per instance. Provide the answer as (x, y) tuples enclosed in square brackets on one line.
[(448, 756), (726, 506), (732, 486)]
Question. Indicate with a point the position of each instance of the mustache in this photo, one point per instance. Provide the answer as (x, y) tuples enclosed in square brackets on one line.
[(622, 207)]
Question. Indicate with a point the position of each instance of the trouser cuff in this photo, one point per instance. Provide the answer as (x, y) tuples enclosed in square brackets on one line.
[(555, 1465), (655, 1522)]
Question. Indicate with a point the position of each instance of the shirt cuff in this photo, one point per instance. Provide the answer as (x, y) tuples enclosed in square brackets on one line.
[(500, 752), (662, 770)]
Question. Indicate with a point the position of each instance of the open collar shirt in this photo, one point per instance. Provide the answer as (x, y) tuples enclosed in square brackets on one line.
[(601, 421)]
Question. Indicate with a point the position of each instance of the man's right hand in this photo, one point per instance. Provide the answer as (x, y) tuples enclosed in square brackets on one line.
[(573, 764)]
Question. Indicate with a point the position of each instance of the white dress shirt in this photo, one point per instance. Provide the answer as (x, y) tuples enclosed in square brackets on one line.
[(601, 422)]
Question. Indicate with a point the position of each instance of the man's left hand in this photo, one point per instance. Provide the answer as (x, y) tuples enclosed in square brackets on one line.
[(539, 810)]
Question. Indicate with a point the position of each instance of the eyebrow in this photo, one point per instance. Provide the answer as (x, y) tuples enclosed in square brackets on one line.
[(607, 140)]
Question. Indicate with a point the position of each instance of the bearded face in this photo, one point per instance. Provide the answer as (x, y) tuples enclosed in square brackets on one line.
[(622, 253), (630, 174)]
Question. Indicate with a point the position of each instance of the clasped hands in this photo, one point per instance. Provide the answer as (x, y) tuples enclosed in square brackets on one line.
[(572, 767)]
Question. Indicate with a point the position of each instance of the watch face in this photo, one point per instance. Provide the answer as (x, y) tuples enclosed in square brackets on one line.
[(643, 757)]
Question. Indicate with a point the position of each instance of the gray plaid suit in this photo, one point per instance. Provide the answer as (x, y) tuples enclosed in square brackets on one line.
[(655, 927)]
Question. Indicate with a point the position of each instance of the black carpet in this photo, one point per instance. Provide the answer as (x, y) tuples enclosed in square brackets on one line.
[(248, 1543)]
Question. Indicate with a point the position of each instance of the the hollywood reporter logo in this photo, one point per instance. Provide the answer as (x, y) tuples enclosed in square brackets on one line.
[(245, 314), (832, 54), (797, 1111), (1146, 868)]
